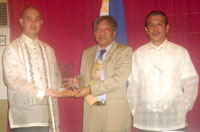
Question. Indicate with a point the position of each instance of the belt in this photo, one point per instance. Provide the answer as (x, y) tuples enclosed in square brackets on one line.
[(100, 103)]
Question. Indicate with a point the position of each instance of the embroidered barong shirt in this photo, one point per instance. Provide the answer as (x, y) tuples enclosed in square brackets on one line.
[(30, 67), (162, 87)]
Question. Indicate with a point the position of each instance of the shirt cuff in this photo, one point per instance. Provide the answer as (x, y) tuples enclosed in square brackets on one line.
[(40, 94), (132, 112)]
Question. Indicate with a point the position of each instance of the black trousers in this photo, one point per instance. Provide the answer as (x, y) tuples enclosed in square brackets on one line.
[(30, 129), (180, 130)]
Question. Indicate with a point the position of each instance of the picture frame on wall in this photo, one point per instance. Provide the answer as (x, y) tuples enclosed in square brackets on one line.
[(2, 40)]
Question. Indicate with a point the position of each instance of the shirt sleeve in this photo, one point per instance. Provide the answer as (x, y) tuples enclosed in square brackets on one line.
[(14, 73), (133, 89), (190, 81), (40, 94)]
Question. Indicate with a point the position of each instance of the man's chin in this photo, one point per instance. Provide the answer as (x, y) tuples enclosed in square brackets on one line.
[(101, 42), (155, 39), (103, 45), (34, 33)]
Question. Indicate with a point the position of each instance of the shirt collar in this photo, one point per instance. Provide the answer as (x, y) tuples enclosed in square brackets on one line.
[(163, 45), (28, 40), (107, 48)]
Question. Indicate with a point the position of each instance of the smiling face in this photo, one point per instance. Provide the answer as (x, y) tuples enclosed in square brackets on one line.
[(104, 34), (31, 22), (156, 29)]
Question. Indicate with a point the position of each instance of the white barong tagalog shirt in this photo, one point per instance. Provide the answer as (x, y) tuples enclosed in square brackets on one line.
[(30, 68), (162, 87)]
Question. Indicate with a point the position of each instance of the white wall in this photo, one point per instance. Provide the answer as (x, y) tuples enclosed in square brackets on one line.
[(3, 88), (4, 30)]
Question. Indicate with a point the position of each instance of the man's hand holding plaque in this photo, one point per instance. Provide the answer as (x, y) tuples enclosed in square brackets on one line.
[(69, 87)]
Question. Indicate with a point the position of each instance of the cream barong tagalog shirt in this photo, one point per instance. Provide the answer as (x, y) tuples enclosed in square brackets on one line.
[(162, 87), (30, 68)]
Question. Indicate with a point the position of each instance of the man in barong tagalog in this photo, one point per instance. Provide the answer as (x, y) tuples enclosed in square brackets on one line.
[(32, 76), (163, 83)]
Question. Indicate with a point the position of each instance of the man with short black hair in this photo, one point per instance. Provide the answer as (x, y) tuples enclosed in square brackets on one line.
[(163, 83), (104, 71)]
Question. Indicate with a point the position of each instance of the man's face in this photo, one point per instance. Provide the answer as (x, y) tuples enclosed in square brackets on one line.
[(156, 29), (31, 22), (104, 35)]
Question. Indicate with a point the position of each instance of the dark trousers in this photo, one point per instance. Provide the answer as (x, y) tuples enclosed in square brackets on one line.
[(30, 129), (180, 130)]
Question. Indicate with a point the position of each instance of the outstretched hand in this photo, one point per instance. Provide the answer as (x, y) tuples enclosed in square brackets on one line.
[(78, 93), (60, 94), (51, 93), (82, 92)]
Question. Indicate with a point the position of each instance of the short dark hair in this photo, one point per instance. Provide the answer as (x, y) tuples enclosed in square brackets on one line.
[(155, 13), (110, 20)]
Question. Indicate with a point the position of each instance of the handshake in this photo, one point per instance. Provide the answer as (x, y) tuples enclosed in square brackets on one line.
[(70, 88)]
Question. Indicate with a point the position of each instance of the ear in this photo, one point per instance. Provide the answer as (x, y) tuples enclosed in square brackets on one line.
[(94, 32), (167, 28), (21, 22), (114, 33), (41, 22), (146, 30)]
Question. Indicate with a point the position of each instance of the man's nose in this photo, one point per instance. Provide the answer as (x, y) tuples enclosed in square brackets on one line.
[(102, 32), (155, 27), (33, 21)]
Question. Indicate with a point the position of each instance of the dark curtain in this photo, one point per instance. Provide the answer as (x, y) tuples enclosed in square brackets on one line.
[(68, 29)]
